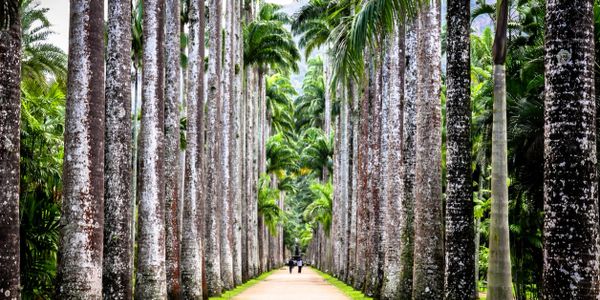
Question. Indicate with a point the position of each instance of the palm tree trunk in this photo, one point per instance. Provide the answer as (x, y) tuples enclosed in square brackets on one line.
[(460, 252), (201, 161), (353, 181), (429, 248), (571, 208), (374, 251), (118, 244), (82, 220), (225, 152), (191, 243), (499, 267), (10, 117), (392, 145), (151, 270), (236, 163), (362, 209), (408, 165), (213, 169), (172, 168)]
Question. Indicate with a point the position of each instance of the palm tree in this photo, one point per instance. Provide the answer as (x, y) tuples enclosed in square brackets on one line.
[(499, 269), (225, 137), (460, 250), (428, 282), (213, 160), (118, 244), (10, 107), (571, 208), (83, 180), (408, 164), (311, 104), (392, 143), (39, 58), (268, 45), (151, 270), (172, 136), (191, 243)]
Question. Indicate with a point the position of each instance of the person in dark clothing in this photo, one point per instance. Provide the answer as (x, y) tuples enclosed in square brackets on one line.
[(300, 264), (291, 265)]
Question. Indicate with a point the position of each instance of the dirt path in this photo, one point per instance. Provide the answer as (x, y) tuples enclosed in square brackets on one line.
[(282, 285)]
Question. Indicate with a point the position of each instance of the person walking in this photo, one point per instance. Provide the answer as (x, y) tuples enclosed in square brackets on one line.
[(300, 264), (291, 265)]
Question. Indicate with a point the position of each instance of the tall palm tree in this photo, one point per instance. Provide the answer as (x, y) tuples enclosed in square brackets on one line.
[(460, 250), (118, 244), (82, 218), (225, 153), (499, 268), (236, 163), (213, 160), (39, 58), (392, 144), (408, 163), (428, 282), (171, 150), (570, 180), (191, 243), (10, 110), (151, 271)]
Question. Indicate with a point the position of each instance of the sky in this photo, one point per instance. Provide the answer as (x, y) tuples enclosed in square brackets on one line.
[(58, 15)]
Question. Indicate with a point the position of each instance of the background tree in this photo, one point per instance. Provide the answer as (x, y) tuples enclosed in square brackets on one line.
[(499, 272)]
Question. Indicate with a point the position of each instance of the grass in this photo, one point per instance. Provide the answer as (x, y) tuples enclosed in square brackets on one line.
[(239, 289), (346, 289)]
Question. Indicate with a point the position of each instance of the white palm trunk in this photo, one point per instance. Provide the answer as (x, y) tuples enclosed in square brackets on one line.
[(225, 151), (191, 243), (408, 164), (236, 162), (151, 273), (214, 174), (82, 221), (171, 157), (393, 102), (428, 274), (118, 198)]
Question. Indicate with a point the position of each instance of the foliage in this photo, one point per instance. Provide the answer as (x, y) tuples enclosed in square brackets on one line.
[(267, 43), (42, 126), (267, 204), (40, 59), (320, 210)]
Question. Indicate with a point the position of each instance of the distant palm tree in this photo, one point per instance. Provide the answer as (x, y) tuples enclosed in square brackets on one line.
[(39, 58)]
